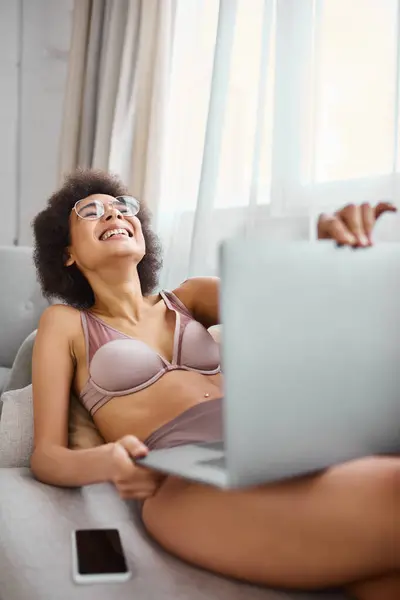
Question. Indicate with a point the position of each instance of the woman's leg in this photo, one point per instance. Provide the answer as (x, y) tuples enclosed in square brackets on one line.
[(333, 529), (383, 588)]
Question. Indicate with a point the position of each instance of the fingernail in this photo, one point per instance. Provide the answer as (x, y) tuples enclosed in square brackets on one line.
[(363, 240)]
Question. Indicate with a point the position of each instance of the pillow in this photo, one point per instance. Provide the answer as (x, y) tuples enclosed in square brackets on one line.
[(16, 428)]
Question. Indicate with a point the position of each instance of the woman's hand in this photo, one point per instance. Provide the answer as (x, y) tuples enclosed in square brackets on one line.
[(131, 480), (352, 225)]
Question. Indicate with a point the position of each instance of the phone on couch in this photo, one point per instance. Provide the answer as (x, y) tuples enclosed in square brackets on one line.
[(98, 556)]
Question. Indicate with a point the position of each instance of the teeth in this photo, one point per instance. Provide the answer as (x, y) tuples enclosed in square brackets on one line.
[(111, 232)]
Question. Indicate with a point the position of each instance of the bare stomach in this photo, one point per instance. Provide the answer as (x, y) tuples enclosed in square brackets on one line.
[(143, 412)]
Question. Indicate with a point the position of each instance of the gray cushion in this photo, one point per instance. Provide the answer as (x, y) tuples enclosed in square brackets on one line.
[(36, 522), (21, 372), (4, 377), (16, 428), (21, 302)]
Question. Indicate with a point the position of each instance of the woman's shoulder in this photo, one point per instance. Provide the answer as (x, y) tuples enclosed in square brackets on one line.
[(188, 291), (60, 318), (200, 295)]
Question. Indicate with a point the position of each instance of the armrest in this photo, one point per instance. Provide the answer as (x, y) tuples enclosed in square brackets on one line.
[(21, 372)]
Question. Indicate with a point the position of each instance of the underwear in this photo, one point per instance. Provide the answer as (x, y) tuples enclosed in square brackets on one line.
[(200, 423)]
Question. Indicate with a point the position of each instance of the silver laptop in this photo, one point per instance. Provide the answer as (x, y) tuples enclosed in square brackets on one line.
[(311, 362)]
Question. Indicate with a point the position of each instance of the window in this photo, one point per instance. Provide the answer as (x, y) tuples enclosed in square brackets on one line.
[(308, 104), (356, 89)]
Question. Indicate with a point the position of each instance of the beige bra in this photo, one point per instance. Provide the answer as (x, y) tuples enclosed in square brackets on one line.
[(121, 365)]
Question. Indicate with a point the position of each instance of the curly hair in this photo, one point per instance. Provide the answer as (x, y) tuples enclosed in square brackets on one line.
[(51, 229)]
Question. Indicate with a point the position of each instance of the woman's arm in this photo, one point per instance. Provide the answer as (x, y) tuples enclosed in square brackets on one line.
[(52, 461), (52, 373), (201, 296)]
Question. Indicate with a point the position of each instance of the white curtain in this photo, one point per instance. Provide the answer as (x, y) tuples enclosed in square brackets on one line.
[(280, 110), (239, 116), (117, 91)]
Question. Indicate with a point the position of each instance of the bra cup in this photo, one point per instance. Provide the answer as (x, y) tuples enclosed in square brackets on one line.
[(199, 350), (124, 364)]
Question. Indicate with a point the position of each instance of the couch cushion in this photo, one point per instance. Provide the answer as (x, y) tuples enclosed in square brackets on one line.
[(4, 377), (21, 372), (21, 302), (16, 428), (36, 522)]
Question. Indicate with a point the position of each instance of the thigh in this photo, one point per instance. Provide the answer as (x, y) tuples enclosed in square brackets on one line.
[(382, 588), (325, 530)]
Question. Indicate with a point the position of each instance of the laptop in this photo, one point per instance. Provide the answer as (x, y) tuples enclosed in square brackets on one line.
[(311, 363)]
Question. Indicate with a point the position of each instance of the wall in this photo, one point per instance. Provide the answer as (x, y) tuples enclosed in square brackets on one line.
[(34, 45)]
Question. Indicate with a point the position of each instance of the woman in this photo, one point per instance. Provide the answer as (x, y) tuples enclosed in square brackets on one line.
[(146, 369)]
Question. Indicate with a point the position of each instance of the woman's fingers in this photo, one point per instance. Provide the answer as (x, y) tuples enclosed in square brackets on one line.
[(123, 466), (383, 207), (351, 216), (138, 486), (133, 446), (143, 485), (124, 450), (368, 219), (136, 495), (352, 225), (333, 228), (370, 214), (131, 480)]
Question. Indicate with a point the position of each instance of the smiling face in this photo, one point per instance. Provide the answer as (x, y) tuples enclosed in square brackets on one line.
[(68, 252), (97, 240)]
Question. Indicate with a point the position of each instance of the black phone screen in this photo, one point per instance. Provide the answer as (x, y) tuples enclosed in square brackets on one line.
[(99, 551)]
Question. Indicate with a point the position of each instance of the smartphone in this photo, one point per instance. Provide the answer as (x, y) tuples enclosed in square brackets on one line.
[(98, 556)]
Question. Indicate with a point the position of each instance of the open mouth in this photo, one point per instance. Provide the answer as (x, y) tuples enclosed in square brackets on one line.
[(115, 233)]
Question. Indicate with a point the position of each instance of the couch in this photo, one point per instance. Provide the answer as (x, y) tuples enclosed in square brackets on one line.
[(36, 520)]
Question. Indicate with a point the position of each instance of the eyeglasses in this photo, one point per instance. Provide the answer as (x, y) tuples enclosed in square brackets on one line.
[(94, 209)]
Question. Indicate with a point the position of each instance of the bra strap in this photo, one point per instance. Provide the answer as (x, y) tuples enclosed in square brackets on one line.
[(174, 303), (164, 295)]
